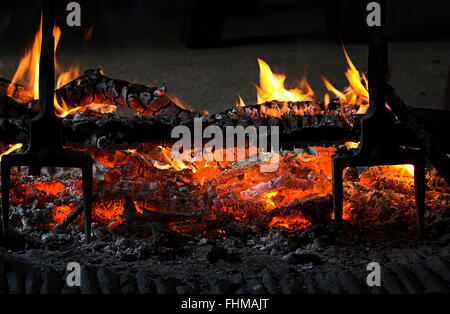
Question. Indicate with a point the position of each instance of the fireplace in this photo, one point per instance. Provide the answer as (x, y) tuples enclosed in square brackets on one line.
[(91, 169)]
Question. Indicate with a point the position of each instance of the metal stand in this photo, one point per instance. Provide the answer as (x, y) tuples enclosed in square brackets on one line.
[(375, 147), (45, 149)]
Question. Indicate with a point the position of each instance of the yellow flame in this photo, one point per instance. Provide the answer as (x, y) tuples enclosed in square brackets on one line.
[(351, 145), (240, 102), (267, 198), (11, 149), (272, 87)]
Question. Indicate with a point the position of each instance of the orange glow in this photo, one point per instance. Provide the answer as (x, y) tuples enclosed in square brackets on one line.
[(11, 149), (51, 188), (409, 169), (60, 212), (176, 164)]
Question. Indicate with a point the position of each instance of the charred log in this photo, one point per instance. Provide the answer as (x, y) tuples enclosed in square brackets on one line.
[(108, 130), (92, 87)]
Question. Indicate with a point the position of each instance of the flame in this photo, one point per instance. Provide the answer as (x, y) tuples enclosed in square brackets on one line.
[(28, 68), (268, 199), (272, 87), (351, 145), (62, 110), (28, 72), (176, 164), (240, 102), (11, 149), (356, 93)]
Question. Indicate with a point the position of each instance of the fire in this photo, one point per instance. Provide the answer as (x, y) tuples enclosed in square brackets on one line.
[(29, 66), (28, 72), (351, 145), (272, 88), (357, 91), (150, 174), (11, 149), (240, 102), (268, 199)]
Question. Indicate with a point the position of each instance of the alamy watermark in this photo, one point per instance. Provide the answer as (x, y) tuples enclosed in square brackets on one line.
[(373, 279), (236, 148)]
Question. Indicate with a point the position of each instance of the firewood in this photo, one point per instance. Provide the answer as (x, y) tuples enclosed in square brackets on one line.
[(9, 108), (92, 87), (22, 94)]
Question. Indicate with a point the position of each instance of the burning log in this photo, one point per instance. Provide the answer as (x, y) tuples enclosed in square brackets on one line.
[(92, 87), (9, 108), (22, 94), (297, 130)]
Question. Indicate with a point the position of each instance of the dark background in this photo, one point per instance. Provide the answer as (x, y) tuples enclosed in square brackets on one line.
[(205, 51)]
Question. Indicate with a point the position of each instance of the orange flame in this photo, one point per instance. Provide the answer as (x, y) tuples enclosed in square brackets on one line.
[(28, 70)]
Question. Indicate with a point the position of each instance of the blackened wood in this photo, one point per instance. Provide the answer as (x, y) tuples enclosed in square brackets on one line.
[(9, 108), (92, 87)]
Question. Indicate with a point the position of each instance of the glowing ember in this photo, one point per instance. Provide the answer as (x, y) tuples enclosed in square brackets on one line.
[(51, 188), (60, 212)]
